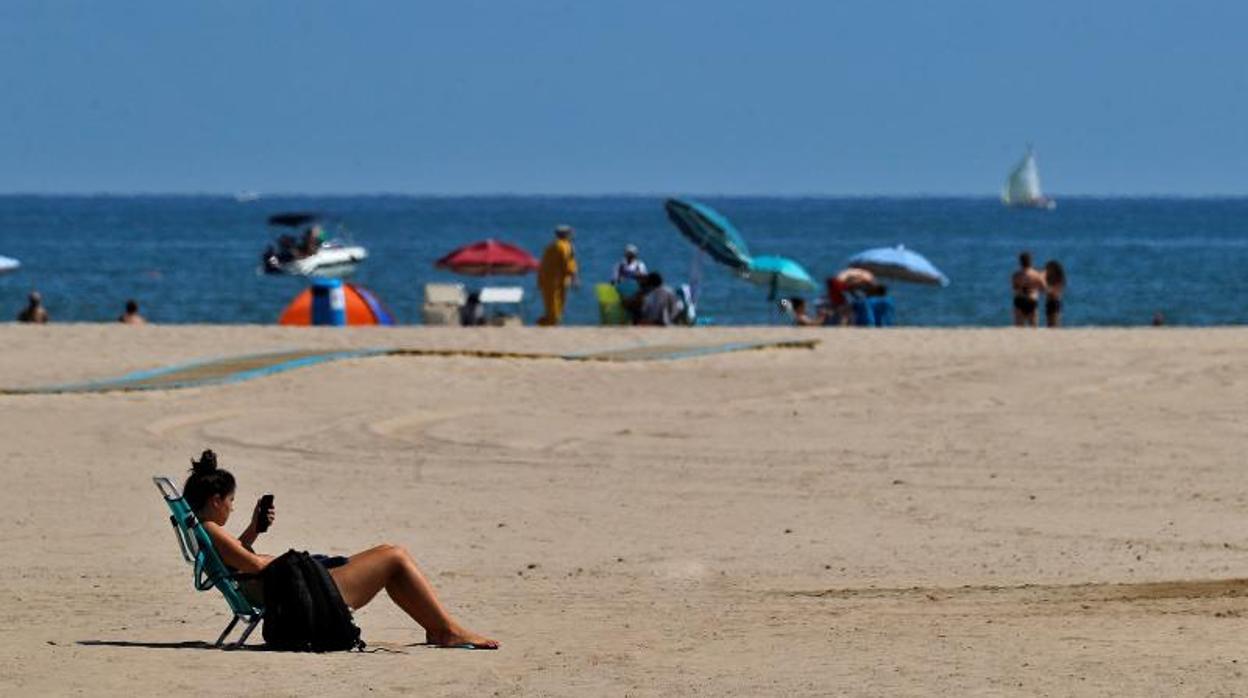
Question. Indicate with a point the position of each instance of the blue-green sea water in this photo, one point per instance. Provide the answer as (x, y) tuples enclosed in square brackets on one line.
[(193, 259)]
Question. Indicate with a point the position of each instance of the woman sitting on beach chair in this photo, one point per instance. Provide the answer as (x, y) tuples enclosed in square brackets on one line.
[(210, 493)]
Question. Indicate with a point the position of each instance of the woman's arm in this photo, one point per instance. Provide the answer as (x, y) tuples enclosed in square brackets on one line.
[(248, 537), (233, 552)]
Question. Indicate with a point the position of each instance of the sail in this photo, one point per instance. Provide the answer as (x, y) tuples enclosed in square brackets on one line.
[(1023, 186)]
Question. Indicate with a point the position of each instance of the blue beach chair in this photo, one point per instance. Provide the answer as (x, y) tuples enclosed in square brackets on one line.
[(882, 310), (864, 315), (210, 572)]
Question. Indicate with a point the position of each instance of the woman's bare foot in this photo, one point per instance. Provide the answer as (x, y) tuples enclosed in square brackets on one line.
[(457, 636)]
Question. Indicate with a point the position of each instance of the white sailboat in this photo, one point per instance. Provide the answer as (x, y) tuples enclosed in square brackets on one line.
[(8, 264), (1022, 189)]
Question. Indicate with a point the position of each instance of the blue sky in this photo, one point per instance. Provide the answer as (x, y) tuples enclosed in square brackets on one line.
[(702, 96)]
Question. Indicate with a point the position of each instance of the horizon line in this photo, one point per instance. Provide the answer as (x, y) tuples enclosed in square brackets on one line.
[(260, 196)]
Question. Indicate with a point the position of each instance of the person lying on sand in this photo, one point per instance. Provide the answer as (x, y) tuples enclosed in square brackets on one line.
[(210, 492)]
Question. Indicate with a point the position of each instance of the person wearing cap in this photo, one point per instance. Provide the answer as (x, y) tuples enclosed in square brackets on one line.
[(34, 310), (556, 272), (631, 268)]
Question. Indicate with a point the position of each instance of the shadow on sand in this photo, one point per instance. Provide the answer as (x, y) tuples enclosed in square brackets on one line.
[(185, 645), (200, 645)]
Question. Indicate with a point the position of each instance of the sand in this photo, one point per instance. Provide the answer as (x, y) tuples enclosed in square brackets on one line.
[(909, 512)]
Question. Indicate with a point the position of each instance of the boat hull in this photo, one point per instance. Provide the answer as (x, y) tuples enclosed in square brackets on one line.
[(328, 262), (1043, 203)]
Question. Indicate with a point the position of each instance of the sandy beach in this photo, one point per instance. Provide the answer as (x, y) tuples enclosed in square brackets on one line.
[(908, 512)]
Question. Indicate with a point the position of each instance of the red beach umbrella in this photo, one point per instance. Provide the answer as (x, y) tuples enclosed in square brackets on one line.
[(488, 258)]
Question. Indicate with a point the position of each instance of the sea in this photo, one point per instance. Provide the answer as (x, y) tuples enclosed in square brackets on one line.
[(195, 259)]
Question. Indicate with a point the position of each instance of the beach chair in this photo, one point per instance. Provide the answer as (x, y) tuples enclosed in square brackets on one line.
[(689, 306), (786, 310), (883, 311), (864, 314), (504, 304), (442, 303), (610, 305), (210, 571)]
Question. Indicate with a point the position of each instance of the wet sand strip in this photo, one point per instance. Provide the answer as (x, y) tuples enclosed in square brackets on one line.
[(240, 368)]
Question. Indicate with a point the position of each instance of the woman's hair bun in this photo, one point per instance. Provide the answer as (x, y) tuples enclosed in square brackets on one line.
[(206, 481), (207, 463)]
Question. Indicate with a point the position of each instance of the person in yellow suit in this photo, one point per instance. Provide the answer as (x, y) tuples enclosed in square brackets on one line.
[(556, 272)]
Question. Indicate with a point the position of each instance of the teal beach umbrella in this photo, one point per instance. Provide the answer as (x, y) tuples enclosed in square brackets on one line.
[(779, 274), (709, 231)]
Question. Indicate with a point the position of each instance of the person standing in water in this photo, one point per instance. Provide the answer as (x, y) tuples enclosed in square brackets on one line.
[(1028, 283), (556, 272), (34, 310), (131, 316), (1055, 282)]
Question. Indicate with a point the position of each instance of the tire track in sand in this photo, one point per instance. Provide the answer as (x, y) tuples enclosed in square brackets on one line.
[(1218, 597)]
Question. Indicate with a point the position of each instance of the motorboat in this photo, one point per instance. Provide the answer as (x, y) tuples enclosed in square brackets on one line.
[(331, 259), (1022, 187), (8, 264), (312, 252)]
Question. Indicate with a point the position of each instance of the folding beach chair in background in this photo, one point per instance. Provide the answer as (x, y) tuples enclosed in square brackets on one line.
[(787, 311), (210, 572), (610, 305)]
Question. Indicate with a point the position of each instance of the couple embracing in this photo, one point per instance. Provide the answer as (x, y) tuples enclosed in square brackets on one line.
[(1028, 283)]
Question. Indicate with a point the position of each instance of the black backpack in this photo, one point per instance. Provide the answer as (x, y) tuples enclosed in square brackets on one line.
[(303, 611)]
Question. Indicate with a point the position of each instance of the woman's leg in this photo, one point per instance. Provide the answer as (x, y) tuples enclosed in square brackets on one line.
[(391, 568)]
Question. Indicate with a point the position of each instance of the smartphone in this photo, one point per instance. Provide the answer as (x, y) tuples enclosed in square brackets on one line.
[(266, 503)]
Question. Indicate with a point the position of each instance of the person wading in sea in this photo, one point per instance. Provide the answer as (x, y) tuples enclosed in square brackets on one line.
[(1055, 285), (1028, 283), (132, 316), (34, 310)]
